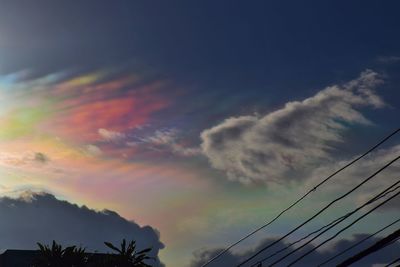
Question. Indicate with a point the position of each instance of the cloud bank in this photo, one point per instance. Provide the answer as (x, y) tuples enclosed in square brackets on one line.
[(40, 217), (299, 135), (232, 259)]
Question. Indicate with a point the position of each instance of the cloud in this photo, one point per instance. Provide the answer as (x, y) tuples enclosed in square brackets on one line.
[(162, 137), (363, 169), (40, 157), (301, 134), (27, 158), (165, 140), (117, 113), (40, 217), (185, 151), (315, 258), (74, 107), (94, 150), (388, 59), (111, 136)]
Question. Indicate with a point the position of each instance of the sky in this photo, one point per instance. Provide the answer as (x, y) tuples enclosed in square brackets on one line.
[(187, 124)]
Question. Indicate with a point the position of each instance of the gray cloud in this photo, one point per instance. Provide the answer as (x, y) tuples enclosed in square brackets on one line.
[(40, 157), (232, 259), (299, 135), (355, 174), (40, 217)]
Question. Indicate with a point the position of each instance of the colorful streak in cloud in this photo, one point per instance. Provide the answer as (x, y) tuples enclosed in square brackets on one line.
[(87, 103)]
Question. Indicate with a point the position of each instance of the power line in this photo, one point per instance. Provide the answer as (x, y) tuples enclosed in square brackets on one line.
[(372, 249), (320, 211), (341, 219), (298, 241), (301, 198), (359, 242), (345, 228), (392, 262), (332, 224)]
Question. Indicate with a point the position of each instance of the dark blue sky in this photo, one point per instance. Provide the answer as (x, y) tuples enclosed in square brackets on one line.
[(229, 43), (278, 49)]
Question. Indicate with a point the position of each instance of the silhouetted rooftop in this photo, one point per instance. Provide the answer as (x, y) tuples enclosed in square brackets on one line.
[(17, 258), (24, 258)]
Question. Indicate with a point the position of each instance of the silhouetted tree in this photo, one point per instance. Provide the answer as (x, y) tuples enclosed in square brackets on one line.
[(127, 256), (56, 256)]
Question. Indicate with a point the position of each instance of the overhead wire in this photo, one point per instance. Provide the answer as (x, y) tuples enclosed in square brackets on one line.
[(331, 224), (320, 211), (379, 245), (301, 198), (358, 243), (393, 262), (345, 228)]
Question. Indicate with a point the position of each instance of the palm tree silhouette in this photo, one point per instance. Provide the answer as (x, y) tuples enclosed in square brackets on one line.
[(56, 256), (127, 256)]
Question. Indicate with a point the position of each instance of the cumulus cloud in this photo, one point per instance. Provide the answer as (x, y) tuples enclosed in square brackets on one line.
[(299, 135), (233, 259), (111, 136), (40, 217)]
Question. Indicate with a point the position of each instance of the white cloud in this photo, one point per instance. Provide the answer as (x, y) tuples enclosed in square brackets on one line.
[(111, 136), (296, 137)]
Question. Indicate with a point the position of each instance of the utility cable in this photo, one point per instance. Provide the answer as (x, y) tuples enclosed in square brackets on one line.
[(302, 197), (320, 211)]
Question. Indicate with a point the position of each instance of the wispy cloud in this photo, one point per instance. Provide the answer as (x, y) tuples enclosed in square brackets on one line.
[(388, 59), (94, 150), (299, 135), (112, 136), (77, 107), (27, 158), (166, 140)]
